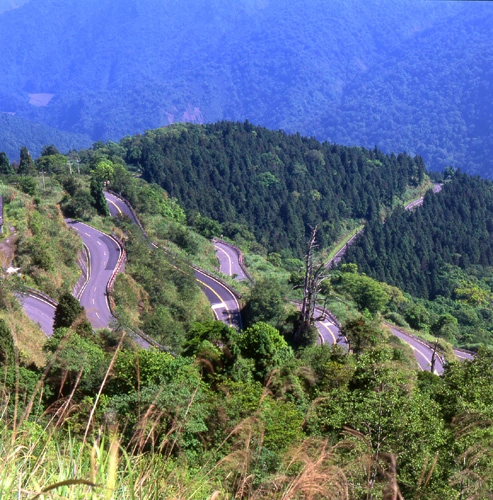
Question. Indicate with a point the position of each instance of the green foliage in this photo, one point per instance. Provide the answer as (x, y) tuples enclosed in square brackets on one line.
[(82, 203), (50, 150), (214, 344), (53, 163), (265, 303), (104, 171), (27, 184), (231, 180), (71, 355), (46, 249), (366, 292), (26, 164), (80, 206), (100, 203), (362, 335), (6, 343), (5, 166), (442, 253), (265, 345), (67, 311), (173, 300)]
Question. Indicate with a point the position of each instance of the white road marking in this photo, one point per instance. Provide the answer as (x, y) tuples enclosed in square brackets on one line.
[(93, 301), (88, 234), (229, 259), (219, 306), (99, 243), (98, 316), (326, 324)]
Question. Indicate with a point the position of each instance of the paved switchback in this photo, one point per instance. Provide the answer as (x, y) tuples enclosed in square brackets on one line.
[(422, 351), (119, 208), (224, 302), (104, 254), (229, 260)]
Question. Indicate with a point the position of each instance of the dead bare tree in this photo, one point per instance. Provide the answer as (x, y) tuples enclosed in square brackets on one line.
[(315, 274)]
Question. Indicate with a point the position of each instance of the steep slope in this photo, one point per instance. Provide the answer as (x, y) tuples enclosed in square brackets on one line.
[(276, 186), (431, 97)]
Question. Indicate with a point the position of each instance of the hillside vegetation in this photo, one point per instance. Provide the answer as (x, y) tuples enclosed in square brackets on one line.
[(271, 184), (441, 252), (245, 414)]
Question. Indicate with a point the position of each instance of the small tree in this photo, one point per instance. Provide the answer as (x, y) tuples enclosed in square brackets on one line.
[(100, 203), (5, 166), (361, 335), (26, 164), (264, 304), (265, 345), (67, 311), (6, 343), (49, 150)]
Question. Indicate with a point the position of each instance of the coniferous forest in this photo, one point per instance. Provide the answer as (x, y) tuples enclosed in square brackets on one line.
[(412, 249), (275, 185)]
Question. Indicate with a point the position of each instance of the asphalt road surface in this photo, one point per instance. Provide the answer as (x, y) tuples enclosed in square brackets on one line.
[(223, 302), (422, 351), (329, 332), (39, 311), (118, 207), (229, 261), (104, 253)]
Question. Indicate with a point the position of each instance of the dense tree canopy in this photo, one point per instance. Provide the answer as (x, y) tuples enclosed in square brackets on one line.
[(276, 185)]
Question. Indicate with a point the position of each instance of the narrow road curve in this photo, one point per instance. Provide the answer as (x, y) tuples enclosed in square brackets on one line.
[(422, 352), (229, 260), (104, 254), (223, 301), (119, 208), (39, 311)]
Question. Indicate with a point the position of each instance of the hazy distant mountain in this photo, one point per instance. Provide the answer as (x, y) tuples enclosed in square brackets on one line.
[(412, 75), (11, 4)]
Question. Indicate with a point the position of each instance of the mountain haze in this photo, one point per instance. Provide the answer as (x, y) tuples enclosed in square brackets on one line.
[(407, 75)]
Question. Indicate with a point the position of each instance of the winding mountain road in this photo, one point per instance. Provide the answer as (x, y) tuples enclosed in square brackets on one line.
[(224, 302), (104, 256), (329, 333), (229, 260), (422, 351)]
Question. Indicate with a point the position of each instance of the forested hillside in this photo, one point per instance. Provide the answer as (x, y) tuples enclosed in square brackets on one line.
[(247, 414), (15, 131), (410, 249), (441, 252), (407, 76), (275, 185)]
